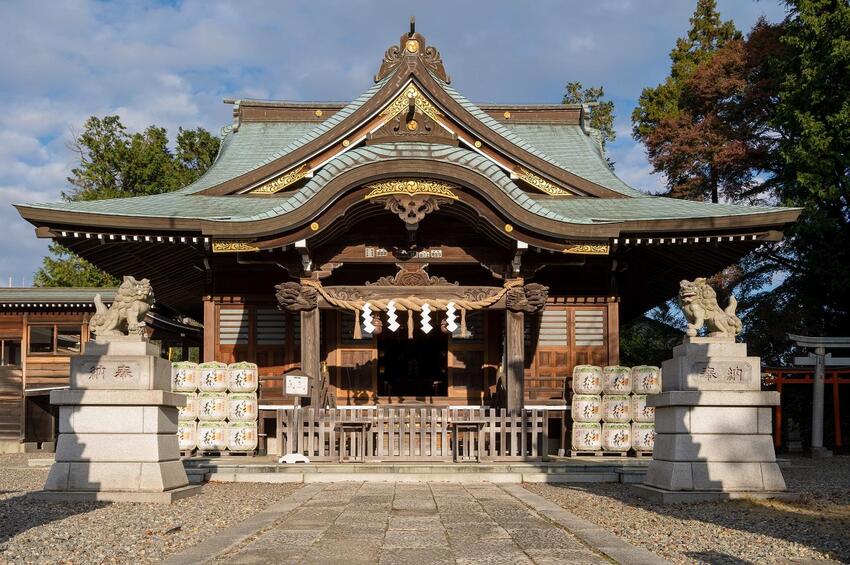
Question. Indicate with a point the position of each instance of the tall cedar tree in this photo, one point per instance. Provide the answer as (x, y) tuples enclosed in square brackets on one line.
[(812, 121), (601, 111), (685, 138), (117, 164)]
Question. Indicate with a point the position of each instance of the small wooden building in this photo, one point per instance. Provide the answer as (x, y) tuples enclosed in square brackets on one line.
[(411, 198), (40, 329)]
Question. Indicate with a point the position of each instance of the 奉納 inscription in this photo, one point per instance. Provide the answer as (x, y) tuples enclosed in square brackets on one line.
[(721, 374)]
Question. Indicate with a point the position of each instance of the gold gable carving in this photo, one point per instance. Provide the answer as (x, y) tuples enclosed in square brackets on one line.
[(281, 182), (402, 103), (541, 184), (411, 187)]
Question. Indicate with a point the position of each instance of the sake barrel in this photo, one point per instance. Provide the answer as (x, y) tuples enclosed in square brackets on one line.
[(646, 379), (587, 379), (212, 406), (587, 407), (242, 436), (184, 376), (188, 413), (212, 436), (616, 380), (242, 407), (643, 436), (213, 377), (640, 411), (187, 435), (587, 436), (616, 436), (242, 377), (616, 408)]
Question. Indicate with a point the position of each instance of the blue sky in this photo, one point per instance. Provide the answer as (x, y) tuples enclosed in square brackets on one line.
[(171, 63)]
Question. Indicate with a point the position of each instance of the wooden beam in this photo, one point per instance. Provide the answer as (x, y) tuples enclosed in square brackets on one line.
[(514, 361)]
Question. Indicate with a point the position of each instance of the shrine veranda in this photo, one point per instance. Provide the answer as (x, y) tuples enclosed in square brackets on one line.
[(413, 254)]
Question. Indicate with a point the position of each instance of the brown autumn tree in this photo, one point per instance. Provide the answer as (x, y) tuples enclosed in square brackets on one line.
[(719, 143)]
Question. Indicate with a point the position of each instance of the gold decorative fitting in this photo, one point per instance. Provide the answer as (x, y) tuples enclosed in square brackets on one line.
[(345, 143), (411, 187), (412, 125), (411, 45), (314, 226), (509, 228), (541, 184), (477, 143), (587, 248), (402, 103), (507, 115), (318, 113), (233, 246), (282, 181)]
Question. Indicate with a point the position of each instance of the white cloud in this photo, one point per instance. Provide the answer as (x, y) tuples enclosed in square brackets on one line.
[(170, 65)]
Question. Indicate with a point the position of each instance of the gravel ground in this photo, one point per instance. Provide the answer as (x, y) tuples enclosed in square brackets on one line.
[(815, 527), (41, 532)]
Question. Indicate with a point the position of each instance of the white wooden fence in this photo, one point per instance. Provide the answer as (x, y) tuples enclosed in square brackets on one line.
[(413, 434)]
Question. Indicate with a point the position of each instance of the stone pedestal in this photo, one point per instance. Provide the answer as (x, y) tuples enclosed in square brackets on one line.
[(713, 426), (117, 428)]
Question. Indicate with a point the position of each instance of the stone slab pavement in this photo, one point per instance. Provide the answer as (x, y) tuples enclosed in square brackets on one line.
[(411, 523)]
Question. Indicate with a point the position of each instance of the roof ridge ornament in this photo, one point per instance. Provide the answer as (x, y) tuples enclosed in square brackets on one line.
[(412, 46)]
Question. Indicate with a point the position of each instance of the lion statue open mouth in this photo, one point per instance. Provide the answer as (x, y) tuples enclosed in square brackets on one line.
[(132, 302), (699, 304)]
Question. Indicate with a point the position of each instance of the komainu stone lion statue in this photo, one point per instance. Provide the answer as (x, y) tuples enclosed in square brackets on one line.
[(699, 304), (127, 313)]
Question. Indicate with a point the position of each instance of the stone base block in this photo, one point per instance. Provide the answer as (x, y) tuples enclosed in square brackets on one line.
[(89, 419), (713, 420), (714, 447), (117, 398), (130, 448), (715, 476), (662, 496), (820, 453), (166, 497), (117, 477)]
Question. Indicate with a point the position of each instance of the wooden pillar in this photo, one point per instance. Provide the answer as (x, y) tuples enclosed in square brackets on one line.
[(310, 354), (613, 333), (210, 330), (514, 361)]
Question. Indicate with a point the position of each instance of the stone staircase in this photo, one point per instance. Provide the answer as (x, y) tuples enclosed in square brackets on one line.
[(576, 470)]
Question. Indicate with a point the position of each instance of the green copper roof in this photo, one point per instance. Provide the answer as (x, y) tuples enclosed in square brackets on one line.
[(50, 295), (647, 208), (245, 208)]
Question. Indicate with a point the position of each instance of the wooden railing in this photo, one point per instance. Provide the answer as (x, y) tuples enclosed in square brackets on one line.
[(413, 434)]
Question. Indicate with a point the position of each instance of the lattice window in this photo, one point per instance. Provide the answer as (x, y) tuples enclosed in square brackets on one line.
[(233, 326), (271, 326), (590, 327), (553, 328)]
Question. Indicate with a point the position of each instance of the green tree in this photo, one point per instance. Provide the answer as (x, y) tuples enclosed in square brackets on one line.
[(677, 124), (601, 111), (812, 118), (114, 163)]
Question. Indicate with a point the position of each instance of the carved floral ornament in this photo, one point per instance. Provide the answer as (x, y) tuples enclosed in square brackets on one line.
[(412, 44), (234, 246)]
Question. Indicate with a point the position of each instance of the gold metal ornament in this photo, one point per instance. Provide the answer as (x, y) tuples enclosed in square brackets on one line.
[(345, 143), (233, 246), (477, 143), (509, 228), (507, 115), (314, 226), (587, 248), (318, 113), (281, 182), (411, 45), (402, 103), (540, 183), (412, 125), (411, 187)]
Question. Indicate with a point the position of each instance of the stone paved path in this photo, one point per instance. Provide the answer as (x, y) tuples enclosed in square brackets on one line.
[(412, 523)]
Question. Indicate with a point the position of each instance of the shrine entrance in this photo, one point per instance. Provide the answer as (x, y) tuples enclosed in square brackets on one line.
[(413, 370)]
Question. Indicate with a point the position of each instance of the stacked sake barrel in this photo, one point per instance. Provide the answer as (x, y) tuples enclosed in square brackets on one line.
[(609, 409), (221, 406)]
